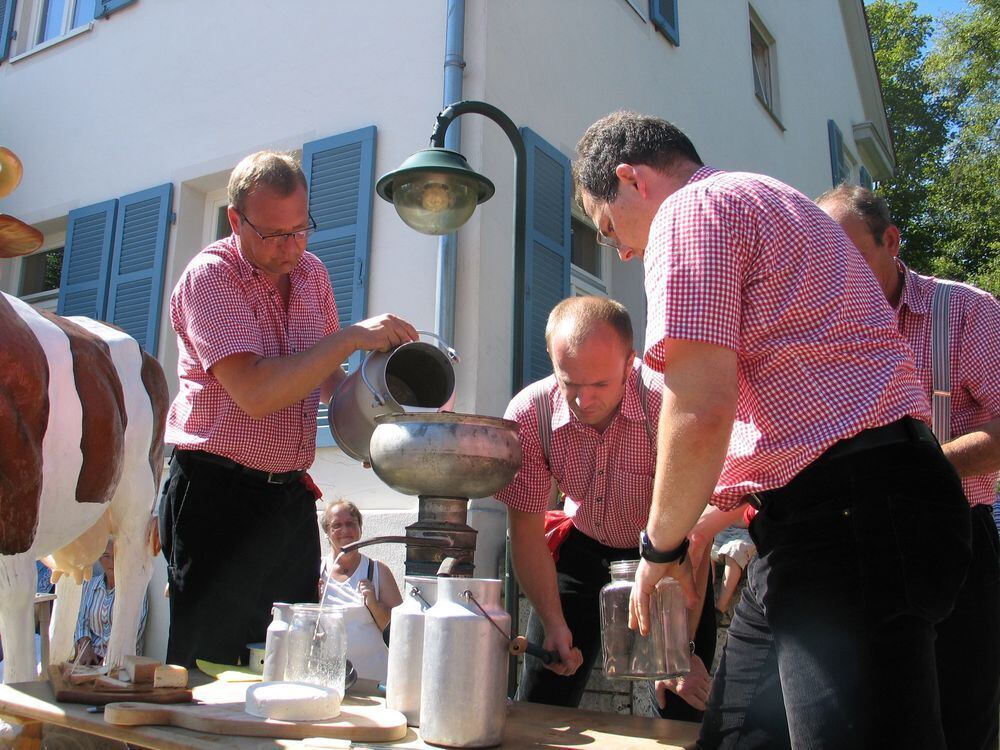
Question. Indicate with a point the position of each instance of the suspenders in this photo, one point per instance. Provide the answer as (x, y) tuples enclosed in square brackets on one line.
[(543, 411), (941, 362)]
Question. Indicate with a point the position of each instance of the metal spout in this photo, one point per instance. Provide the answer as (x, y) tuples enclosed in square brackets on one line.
[(442, 541)]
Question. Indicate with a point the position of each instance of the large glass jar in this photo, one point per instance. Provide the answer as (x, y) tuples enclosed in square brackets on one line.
[(665, 652), (317, 646)]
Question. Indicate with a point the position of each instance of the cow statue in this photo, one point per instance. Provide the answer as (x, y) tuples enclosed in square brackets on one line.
[(82, 416)]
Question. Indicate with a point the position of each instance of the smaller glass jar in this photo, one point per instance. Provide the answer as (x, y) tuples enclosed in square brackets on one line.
[(662, 654), (317, 646)]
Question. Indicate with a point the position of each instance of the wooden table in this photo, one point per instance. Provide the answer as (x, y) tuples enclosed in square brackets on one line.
[(528, 725)]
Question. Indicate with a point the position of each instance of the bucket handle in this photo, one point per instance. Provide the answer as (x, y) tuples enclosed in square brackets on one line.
[(379, 398)]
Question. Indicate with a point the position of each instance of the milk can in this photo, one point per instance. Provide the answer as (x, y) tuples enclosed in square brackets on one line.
[(463, 697), (406, 647), (662, 654), (276, 642), (317, 646), (413, 377)]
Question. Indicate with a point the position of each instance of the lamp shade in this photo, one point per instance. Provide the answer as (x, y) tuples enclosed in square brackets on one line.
[(435, 191)]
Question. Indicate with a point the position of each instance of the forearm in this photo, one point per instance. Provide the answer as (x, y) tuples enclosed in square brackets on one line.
[(380, 612), (263, 385), (536, 574), (976, 452)]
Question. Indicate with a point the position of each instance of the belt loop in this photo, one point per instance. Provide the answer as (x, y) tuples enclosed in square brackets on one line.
[(270, 478)]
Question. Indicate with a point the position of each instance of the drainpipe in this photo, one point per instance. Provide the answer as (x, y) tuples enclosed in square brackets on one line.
[(454, 65)]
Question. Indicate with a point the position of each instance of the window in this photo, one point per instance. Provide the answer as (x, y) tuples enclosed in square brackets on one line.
[(663, 13), (40, 273), (763, 58), (588, 261), (27, 26), (57, 17)]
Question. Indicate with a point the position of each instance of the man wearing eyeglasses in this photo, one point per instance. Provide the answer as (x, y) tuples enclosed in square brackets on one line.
[(787, 386), (259, 344)]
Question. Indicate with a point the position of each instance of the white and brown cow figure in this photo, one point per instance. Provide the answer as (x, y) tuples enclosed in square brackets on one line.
[(82, 413)]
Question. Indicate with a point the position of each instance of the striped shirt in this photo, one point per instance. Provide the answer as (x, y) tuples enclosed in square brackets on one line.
[(223, 306), (745, 262), (94, 619), (974, 349), (607, 477)]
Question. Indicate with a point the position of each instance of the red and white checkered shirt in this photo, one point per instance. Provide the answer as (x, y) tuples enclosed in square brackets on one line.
[(974, 348), (746, 262), (607, 477), (222, 306)]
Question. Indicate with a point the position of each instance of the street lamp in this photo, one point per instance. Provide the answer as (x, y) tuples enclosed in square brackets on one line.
[(435, 192)]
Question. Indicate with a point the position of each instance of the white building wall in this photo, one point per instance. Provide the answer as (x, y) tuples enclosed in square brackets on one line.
[(179, 91)]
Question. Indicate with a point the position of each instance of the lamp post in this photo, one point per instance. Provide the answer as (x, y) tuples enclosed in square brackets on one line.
[(435, 192)]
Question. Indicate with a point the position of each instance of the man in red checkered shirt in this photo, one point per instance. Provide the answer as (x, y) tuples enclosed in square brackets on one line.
[(259, 344), (786, 384), (584, 431), (968, 641)]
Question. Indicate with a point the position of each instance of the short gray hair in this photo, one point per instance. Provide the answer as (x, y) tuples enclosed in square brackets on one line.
[(274, 170), (578, 317), (863, 204)]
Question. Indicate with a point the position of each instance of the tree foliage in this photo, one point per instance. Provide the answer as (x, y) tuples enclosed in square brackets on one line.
[(941, 96)]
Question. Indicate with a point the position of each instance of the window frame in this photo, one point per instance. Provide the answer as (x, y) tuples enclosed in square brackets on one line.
[(582, 281), (772, 104), (28, 24), (49, 299)]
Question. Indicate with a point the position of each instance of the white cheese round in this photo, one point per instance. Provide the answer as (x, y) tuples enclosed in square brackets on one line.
[(292, 701)]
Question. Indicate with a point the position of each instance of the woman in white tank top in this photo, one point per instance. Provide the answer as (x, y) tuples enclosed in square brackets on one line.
[(365, 588)]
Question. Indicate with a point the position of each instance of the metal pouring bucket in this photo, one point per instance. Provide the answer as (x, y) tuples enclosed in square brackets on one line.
[(414, 377)]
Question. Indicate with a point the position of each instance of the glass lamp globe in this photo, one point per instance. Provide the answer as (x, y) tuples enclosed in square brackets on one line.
[(435, 191)]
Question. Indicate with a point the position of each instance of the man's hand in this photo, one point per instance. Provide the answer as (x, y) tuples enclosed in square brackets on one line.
[(693, 687), (382, 333), (646, 578), (561, 640), (85, 653)]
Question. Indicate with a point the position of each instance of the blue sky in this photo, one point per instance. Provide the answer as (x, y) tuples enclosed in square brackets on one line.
[(935, 7)]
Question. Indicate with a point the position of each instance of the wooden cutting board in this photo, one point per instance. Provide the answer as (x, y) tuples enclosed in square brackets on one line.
[(97, 696), (361, 720)]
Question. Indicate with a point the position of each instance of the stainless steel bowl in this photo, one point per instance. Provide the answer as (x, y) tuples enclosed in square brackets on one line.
[(445, 454)]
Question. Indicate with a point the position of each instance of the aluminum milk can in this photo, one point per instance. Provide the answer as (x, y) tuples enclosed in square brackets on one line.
[(406, 647), (662, 654), (413, 377), (276, 642), (463, 698)]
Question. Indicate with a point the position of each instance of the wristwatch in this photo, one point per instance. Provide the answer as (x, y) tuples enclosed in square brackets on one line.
[(648, 552)]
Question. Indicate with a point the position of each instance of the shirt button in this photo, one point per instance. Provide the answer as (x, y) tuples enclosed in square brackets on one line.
[(600, 472), (599, 500)]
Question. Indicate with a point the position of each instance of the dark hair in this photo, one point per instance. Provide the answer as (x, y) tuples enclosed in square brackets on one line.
[(627, 138), (579, 316), (863, 204)]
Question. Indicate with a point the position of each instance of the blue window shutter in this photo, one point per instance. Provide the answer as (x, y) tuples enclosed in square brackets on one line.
[(340, 172), (663, 14), (104, 8), (7, 8), (837, 167), (865, 178), (86, 259), (549, 247), (135, 289)]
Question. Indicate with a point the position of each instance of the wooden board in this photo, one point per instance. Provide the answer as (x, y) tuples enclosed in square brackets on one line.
[(98, 696), (359, 720)]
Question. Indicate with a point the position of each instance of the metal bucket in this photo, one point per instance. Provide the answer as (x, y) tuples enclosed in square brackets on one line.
[(414, 377)]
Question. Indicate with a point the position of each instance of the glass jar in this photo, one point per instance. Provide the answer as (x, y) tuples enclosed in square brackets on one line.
[(317, 646), (662, 654)]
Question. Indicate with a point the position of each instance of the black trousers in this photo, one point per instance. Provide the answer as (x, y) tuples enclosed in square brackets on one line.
[(234, 546), (833, 642), (583, 569), (968, 647)]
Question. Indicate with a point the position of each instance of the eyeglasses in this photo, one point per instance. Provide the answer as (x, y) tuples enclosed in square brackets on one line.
[(278, 237), (603, 239)]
